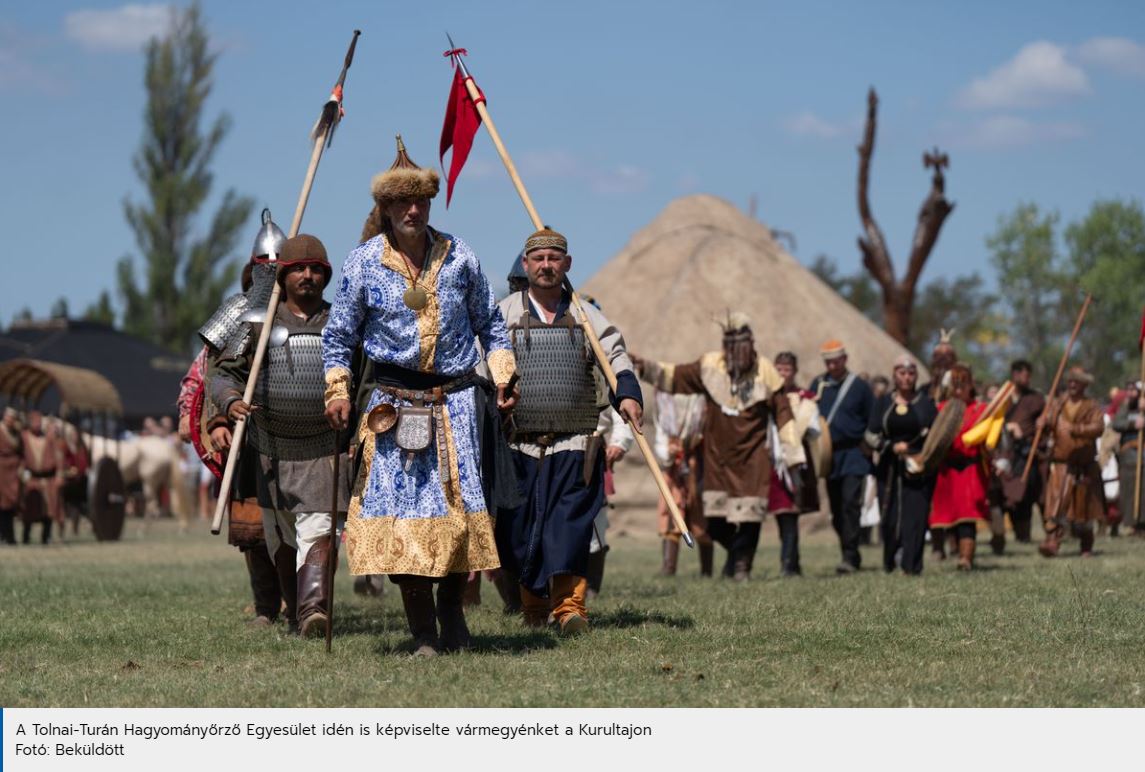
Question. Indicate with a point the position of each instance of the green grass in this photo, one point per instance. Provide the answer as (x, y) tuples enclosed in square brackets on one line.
[(157, 620)]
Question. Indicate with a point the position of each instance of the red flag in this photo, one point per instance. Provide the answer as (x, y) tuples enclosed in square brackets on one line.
[(1141, 340), (461, 124)]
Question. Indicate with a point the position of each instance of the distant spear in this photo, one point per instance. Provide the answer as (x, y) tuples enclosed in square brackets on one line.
[(332, 111)]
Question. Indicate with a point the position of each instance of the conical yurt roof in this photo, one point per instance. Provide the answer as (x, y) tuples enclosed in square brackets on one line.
[(702, 257)]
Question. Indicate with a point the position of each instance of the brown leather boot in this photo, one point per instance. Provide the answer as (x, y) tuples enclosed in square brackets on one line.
[(1050, 547), (417, 598), (507, 588), (313, 615), (451, 613), (966, 553), (670, 554), (707, 557), (284, 559), (263, 584)]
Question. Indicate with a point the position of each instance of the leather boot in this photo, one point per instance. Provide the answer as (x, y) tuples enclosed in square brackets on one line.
[(1050, 547), (1086, 538), (451, 593), (966, 547), (567, 601), (707, 557), (741, 569), (312, 587), (670, 554), (938, 543), (284, 560), (263, 584), (507, 588), (534, 608), (417, 598)]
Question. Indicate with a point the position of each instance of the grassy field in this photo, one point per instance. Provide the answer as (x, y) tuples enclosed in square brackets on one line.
[(157, 620)]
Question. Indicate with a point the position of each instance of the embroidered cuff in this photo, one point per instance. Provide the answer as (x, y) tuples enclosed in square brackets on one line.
[(502, 365), (337, 384)]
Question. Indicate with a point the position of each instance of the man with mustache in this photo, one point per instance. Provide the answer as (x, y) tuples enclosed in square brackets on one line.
[(558, 456), (289, 455), (744, 392), (432, 470)]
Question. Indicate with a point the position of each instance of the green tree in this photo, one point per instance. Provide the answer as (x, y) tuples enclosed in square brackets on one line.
[(962, 304), (59, 308), (858, 289), (101, 310), (1107, 256), (183, 278), (1033, 281)]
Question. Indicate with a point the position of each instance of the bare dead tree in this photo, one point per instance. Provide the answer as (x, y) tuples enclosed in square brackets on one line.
[(898, 294)]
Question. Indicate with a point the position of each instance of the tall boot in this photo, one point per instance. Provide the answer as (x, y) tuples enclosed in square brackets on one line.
[(451, 613), (313, 615), (507, 588), (1086, 538), (567, 601), (1050, 547), (417, 598), (534, 609), (670, 554), (8, 526), (595, 572), (707, 557), (938, 543), (284, 559), (263, 585), (966, 547)]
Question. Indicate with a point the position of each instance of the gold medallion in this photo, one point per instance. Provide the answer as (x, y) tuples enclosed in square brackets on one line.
[(415, 298), (900, 409)]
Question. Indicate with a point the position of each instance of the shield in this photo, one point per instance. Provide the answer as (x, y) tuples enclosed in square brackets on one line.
[(107, 499), (939, 440)]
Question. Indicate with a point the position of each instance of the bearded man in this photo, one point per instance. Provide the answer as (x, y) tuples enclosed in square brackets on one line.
[(292, 463), (743, 393), (432, 471)]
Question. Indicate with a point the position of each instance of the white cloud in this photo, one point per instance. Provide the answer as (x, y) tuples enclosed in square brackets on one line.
[(617, 180), (1039, 74), (126, 28), (1121, 55), (808, 124), (1008, 131)]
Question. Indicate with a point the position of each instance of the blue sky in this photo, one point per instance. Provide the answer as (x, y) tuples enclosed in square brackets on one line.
[(611, 110)]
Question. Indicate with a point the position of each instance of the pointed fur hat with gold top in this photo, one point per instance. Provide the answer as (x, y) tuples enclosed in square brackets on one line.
[(404, 180)]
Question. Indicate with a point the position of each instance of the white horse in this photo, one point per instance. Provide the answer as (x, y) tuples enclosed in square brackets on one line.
[(154, 461)]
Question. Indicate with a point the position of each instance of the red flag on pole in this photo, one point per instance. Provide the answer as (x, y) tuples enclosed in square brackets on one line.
[(461, 124)]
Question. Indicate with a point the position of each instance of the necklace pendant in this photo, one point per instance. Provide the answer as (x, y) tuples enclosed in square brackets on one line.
[(415, 298), (901, 409)]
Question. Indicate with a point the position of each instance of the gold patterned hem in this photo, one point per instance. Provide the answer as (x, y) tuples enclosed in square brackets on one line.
[(429, 546)]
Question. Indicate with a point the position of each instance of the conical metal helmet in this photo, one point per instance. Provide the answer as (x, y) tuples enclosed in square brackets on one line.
[(270, 238), (518, 279)]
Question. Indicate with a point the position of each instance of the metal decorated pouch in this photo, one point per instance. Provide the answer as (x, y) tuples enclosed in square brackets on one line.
[(414, 431)]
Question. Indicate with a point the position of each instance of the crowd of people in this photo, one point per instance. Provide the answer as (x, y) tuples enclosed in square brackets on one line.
[(474, 437)]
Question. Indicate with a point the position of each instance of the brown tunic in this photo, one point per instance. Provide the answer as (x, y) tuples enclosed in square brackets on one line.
[(1074, 490), (1025, 413), (737, 461), (42, 464), (11, 456)]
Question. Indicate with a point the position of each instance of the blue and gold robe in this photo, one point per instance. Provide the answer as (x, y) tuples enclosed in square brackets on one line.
[(418, 521)]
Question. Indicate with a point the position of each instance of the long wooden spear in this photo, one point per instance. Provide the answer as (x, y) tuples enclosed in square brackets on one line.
[(1057, 380), (322, 133), (589, 333), (1140, 436)]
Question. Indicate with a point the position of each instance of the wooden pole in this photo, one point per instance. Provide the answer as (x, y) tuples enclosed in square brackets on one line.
[(332, 555), (263, 338), (1140, 434), (589, 332), (1057, 380)]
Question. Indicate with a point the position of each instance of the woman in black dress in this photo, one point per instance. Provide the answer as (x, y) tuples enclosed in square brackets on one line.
[(898, 426)]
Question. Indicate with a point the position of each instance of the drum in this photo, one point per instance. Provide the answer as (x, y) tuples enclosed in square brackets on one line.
[(938, 441)]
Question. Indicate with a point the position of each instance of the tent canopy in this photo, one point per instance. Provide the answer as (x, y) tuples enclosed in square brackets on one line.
[(79, 389)]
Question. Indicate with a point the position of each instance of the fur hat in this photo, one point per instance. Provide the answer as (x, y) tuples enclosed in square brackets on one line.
[(546, 238), (734, 322), (403, 180)]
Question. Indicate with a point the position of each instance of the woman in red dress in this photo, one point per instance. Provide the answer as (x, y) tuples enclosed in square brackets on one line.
[(960, 488)]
